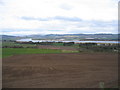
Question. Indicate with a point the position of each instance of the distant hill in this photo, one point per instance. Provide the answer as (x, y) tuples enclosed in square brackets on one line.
[(8, 37), (66, 36), (77, 36)]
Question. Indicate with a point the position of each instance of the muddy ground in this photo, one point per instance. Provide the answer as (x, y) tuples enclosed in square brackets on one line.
[(60, 70), (56, 47)]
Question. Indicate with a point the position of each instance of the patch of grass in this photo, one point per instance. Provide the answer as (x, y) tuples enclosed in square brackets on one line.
[(0, 53), (16, 51), (69, 51)]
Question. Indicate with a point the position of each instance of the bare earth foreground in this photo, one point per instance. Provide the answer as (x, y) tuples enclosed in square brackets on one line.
[(60, 70)]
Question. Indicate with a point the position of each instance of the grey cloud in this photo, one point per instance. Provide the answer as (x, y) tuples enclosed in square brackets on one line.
[(104, 24), (32, 18), (98, 23), (67, 18), (66, 7), (1, 2), (72, 19), (14, 30)]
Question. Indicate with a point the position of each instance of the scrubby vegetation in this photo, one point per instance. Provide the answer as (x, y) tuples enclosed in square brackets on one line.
[(13, 44), (93, 47)]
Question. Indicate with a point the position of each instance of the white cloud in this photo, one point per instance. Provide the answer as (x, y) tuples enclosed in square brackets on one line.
[(88, 11)]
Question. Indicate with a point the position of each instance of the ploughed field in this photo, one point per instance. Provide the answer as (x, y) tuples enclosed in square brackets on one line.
[(68, 70)]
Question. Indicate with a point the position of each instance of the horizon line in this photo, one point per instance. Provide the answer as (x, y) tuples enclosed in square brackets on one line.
[(58, 34)]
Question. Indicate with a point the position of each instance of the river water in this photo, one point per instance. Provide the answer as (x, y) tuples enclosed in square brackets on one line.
[(28, 40)]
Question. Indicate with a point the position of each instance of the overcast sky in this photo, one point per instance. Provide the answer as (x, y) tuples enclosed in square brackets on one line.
[(24, 17)]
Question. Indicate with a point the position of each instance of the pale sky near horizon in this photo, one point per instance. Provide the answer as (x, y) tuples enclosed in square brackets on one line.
[(26, 17)]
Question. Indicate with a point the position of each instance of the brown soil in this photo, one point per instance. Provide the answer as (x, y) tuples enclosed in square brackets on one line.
[(60, 70), (56, 47)]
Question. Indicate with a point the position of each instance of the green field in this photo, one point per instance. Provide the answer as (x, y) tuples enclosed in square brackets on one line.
[(32, 49), (15, 51), (6, 52)]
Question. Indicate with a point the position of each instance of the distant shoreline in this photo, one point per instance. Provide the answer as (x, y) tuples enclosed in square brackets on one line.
[(66, 41)]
